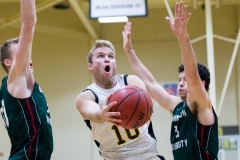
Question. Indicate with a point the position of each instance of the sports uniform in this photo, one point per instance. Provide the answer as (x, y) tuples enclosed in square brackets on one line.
[(191, 140), (115, 142), (28, 123)]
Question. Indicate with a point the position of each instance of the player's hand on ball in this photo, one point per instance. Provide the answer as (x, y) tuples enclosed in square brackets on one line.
[(107, 116)]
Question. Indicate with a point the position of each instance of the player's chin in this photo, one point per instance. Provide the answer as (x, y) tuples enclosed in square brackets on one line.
[(181, 94)]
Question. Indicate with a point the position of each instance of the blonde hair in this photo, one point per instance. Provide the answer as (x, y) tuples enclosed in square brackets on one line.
[(98, 44)]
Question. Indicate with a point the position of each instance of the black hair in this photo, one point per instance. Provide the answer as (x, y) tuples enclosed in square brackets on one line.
[(203, 73)]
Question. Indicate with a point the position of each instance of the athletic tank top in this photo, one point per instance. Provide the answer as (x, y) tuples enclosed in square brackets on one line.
[(191, 140), (28, 123), (115, 142)]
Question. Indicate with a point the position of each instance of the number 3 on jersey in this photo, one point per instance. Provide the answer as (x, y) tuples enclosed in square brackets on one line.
[(177, 132), (128, 133)]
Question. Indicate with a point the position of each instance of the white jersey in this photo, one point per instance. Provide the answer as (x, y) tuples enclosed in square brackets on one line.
[(115, 142)]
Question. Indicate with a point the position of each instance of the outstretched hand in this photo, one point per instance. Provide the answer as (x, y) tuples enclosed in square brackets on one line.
[(179, 26), (127, 44), (107, 116)]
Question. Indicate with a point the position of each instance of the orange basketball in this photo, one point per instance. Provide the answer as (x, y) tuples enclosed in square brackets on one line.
[(134, 104)]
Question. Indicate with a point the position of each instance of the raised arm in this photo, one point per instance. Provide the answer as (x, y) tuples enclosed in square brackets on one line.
[(197, 99), (90, 110), (153, 88), (20, 81)]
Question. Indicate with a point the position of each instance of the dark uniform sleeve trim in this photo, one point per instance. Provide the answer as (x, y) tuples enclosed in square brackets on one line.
[(125, 79), (96, 97), (150, 131), (88, 124)]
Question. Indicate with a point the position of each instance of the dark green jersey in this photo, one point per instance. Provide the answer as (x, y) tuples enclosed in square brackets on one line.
[(191, 140), (28, 124)]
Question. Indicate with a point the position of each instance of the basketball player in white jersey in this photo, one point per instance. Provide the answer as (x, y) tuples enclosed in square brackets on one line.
[(113, 141)]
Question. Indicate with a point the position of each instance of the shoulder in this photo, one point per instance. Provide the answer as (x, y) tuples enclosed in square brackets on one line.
[(4, 81), (5, 78), (179, 106), (133, 79), (85, 95), (121, 76)]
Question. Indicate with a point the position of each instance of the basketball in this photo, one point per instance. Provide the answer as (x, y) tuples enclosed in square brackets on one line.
[(134, 104)]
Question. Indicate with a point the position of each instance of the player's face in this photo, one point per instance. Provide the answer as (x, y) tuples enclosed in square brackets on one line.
[(103, 63), (182, 87)]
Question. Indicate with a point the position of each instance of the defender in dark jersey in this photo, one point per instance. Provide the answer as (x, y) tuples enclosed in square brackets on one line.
[(194, 132), (23, 106)]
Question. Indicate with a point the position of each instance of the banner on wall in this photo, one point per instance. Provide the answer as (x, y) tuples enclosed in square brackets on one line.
[(116, 8), (170, 87)]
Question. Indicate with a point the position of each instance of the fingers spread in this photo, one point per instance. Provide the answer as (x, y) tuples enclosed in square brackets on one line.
[(113, 119), (188, 17), (180, 10), (168, 20), (184, 12), (176, 10), (112, 114), (110, 106)]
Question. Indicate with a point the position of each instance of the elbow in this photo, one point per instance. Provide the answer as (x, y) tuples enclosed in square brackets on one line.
[(29, 21), (29, 24), (32, 22)]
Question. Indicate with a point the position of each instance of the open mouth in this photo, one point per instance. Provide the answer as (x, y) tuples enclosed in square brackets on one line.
[(107, 68), (180, 90)]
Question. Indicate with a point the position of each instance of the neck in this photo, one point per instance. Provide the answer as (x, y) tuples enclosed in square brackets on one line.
[(106, 84)]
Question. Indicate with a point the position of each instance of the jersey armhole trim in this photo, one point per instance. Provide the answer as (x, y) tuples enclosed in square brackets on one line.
[(125, 79), (96, 97)]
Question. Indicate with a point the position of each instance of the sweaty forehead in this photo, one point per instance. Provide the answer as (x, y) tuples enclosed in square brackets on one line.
[(103, 50)]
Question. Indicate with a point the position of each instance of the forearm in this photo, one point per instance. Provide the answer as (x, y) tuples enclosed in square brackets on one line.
[(28, 12), (188, 56), (92, 114), (138, 68), (24, 48)]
